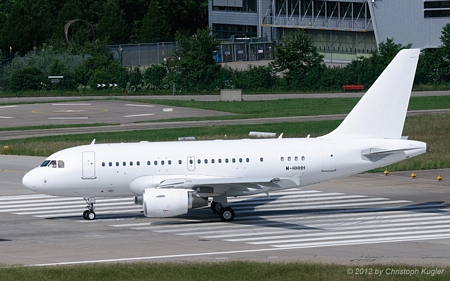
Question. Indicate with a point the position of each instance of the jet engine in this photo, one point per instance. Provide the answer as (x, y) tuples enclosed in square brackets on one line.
[(169, 202)]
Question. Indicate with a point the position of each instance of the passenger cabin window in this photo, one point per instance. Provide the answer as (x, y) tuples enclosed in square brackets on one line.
[(180, 162), (261, 159), (148, 163)]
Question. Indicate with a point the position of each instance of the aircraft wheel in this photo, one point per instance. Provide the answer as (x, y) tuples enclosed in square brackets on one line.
[(226, 214), (85, 214), (215, 207)]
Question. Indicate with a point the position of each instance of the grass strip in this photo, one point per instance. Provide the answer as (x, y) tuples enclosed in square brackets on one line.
[(232, 270), (433, 129), (295, 107)]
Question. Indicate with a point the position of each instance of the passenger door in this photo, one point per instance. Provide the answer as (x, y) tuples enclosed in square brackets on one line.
[(88, 165)]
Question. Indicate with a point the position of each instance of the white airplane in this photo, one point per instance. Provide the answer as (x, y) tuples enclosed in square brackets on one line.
[(169, 178)]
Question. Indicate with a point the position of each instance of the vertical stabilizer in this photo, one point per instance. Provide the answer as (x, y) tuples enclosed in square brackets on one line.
[(382, 110)]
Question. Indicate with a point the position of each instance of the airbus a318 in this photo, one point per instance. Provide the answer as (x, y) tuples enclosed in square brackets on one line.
[(169, 178)]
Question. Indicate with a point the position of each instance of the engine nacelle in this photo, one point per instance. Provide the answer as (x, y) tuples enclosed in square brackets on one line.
[(169, 202)]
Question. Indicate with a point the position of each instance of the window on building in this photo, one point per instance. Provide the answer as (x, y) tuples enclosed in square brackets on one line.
[(225, 31), (436, 9), (248, 6)]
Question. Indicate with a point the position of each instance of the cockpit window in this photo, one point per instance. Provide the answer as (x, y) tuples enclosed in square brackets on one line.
[(53, 164)]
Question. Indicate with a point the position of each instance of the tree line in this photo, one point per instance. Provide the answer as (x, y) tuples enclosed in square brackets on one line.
[(29, 24), (297, 67)]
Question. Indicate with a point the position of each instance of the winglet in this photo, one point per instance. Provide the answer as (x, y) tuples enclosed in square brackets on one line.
[(382, 110)]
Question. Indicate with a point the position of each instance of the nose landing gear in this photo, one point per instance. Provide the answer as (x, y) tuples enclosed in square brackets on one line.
[(89, 213)]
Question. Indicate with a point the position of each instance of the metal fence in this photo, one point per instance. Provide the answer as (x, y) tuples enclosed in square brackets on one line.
[(144, 55)]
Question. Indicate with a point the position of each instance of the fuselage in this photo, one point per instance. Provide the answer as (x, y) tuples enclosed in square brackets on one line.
[(107, 170)]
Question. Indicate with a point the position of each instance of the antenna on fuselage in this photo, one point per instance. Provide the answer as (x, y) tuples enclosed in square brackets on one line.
[(93, 142)]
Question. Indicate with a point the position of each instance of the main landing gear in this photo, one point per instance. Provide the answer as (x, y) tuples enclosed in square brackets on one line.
[(89, 213), (220, 206)]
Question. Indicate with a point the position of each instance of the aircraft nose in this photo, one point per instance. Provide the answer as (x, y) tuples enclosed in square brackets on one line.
[(30, 180)]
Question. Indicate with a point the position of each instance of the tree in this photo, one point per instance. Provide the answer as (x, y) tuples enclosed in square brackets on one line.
[(296, 53), (28, 25), (366, 70), (196, 61), (112, 25), (154, 25), (69, 11), (442, 63)]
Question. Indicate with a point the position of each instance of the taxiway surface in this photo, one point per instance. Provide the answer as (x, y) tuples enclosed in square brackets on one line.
[(363, 219)]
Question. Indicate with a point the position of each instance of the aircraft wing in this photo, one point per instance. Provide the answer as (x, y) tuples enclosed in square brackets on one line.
[(231, 186)]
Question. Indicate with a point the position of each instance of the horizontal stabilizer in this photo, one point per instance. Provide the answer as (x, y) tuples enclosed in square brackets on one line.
[(375, 154)]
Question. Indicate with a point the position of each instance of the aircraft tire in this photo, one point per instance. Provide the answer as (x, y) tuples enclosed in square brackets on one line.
[(85, 214), (215, 207), (226, 214)]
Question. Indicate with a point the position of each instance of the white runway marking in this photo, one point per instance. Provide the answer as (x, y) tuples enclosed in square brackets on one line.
[(69, 110), (139, 115), (68, 118), (167, 109), (6, 117), (290, 219), (140, 105), (72, 104), (8, 106)]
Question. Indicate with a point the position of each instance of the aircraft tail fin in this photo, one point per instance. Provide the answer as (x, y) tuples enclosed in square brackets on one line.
[(382, 110)]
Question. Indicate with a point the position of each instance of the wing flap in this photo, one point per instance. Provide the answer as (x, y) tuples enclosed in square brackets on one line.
[(231, 186)]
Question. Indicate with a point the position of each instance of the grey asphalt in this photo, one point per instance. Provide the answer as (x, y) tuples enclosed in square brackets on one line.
[(394, 219), (126, 114), (359, 220)]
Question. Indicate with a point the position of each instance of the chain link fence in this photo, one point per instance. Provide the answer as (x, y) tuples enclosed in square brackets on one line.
[(144, 55)]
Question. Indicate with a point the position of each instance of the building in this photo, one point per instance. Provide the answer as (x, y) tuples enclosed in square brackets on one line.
[(340, 29)]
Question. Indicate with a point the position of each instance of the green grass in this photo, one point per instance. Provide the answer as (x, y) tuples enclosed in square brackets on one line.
[(44, 146), (236, 270), (290, 107), (433, 129)]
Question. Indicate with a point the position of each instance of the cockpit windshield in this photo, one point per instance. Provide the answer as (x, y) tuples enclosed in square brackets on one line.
[(53, 164)]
